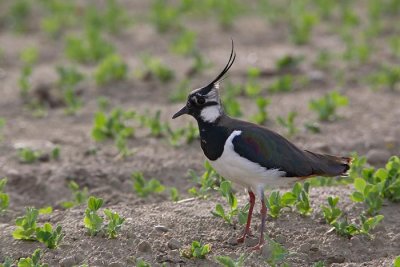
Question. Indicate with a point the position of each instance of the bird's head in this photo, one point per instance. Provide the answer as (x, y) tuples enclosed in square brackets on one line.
[(204, 103)]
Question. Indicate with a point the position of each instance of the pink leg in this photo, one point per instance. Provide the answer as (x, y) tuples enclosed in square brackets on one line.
[(263, 217), (252, 201)]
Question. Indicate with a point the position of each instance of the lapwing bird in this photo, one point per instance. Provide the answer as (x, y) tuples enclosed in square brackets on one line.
[(250, 154)]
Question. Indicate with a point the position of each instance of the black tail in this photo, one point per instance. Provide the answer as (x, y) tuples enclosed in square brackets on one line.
[(327, 165)]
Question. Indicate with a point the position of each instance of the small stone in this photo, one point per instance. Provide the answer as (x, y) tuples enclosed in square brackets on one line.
[(144, 246), (305, 248), (174, 255), (232, 241), (68, 261), (174, 244), (116, 264), (161, 228), (377, 156)]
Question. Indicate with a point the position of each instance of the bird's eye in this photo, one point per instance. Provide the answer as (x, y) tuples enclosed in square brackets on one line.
[(201, 100)]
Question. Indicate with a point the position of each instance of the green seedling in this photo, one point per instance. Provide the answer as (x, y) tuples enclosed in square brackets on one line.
[(69, 78), (331, 213), (153, 67), (111, 69), (242, 214), (185, 43), (28, 57), (79, 196), (28, 155), (357, 166), (184, 135), (387, 77), (88, 49), (112, 17), (55, 153), (226, 11), (92, 221), (323, 60), (262, 116), (26, 225), (358, 53), (301, 23), (49, 236), (319, 264), (4, 198), (288, 62), (395, 46), (209, 180), (274, 204), (60, 16), (164, 16), (157, 128), (227, 261), (282, 84), (278, 253), (302, 199), (114, 127), (369, 194), (368, 224), (327, 105), (344, 228), (396, 262), (46, 210), (144, 188), (114, 224), (142, 263), (390, 177), (32, 262), (288, 123), (103, 103), (174, 193), (196, 250), (225, 189), (252, 88), (19, 14)]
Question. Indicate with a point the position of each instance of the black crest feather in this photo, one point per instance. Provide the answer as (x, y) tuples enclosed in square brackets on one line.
[(227, 67)]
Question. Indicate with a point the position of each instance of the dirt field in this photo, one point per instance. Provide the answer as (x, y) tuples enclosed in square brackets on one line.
[(369, 125)]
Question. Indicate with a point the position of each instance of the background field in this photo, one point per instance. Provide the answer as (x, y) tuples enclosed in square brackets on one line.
[(63, 62)]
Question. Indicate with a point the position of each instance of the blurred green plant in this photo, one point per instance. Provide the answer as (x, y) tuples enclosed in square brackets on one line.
[(89, 48), (28, 57), (144, 188), (196, 250), (111, 69), (79, 196), (327, 105), (32, 262), (4, 198), (261, 116), (288, 123)]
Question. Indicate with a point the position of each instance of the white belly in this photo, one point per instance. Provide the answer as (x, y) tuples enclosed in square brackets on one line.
[(245, 172)]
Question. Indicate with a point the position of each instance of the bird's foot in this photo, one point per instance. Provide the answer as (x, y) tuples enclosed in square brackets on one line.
[(243, 237), (257, 247)]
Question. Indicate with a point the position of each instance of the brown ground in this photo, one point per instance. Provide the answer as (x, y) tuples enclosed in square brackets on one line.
[(369, 126)]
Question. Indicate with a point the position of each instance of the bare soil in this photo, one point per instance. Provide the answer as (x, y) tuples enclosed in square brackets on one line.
[(368, 126)]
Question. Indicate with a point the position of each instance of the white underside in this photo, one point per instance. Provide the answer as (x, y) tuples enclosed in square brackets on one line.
[(245, 172)]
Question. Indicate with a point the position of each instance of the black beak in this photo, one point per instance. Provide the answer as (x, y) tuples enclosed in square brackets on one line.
[(183, 110)]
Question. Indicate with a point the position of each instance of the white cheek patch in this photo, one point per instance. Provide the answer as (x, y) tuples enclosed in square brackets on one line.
[(211, 113)]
